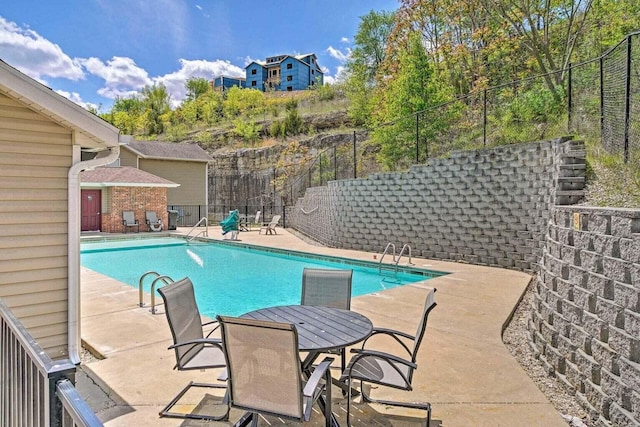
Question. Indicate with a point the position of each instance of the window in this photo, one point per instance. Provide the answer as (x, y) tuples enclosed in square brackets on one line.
[(289, 78), (254, 71), (253, 83), (289, 88), (289, 66), (313, 71)]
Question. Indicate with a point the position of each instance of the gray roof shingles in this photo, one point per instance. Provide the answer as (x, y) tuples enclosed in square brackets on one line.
[(126, 175)]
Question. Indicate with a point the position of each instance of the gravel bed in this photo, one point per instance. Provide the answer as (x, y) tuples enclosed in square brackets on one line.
[(515, 338)]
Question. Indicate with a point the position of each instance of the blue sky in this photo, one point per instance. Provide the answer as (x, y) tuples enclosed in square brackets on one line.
[(94, 50)]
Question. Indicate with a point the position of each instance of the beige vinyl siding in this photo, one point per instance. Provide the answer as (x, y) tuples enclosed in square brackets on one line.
[(190, 175), (35, 160), (128, 158)]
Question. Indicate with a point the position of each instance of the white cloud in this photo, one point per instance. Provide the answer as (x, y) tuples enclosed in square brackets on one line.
[(329, 80), (175, 81), (121, 75), (248, 60), (34, 55), (198, 7), (338, 54), (345, 40), (75, 97)]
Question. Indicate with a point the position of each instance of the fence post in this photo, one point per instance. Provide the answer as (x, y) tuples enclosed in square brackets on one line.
[(569, 97), (484, 118), (627, 101), (320, 168), (335, 164), (355, 173), (417, 138), (602, 101)]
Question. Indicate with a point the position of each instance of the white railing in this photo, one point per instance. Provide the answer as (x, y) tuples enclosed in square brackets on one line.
[(36, 391)]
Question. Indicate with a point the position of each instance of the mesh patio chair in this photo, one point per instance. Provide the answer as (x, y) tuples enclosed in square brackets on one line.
[(327, 288), (129, 221), (264, 372), (388, 369), (192, 349)]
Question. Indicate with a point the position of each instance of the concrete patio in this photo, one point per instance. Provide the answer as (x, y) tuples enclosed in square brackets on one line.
[(465, 370)]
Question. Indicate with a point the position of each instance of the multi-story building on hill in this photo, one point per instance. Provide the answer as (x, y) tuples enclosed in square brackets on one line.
[(284, 73), (222, 83)]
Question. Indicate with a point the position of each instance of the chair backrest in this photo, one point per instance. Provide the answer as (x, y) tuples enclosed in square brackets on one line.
[(429, 305), (183, 316), (274, 220), (326, 288), (129, 217), (257, 220), (151, 216), (263, 366)]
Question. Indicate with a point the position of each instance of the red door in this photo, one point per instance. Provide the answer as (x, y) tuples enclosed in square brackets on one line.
[(90, 208)]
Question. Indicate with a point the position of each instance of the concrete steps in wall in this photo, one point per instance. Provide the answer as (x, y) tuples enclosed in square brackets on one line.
[(572, 174)]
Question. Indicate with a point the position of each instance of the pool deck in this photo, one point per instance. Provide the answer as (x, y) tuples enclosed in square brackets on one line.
[(464, 369)]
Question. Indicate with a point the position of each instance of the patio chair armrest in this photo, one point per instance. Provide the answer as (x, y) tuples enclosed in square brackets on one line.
[(320, 370), (392, 332), (215, 341), (396, 335), (382, 355)]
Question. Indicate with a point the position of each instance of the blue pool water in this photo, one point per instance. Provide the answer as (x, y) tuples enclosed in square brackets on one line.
[(230, 280)]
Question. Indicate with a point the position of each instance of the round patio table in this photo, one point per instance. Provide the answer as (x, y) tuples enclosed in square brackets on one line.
[(319, 328)]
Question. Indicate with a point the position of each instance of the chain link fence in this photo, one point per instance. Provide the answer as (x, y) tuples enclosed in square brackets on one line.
[(597, 99)]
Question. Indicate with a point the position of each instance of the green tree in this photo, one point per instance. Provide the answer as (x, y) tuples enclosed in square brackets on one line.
[(368, 54), (125, 114), (249, 102), (414, 88), (196, 87), (155, 99)]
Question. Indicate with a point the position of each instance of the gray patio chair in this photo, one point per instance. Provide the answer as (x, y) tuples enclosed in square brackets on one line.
[(264, 372), (270, 227), (192, 349), (388, 369), (153, 222), (129, 221), (327, 288)]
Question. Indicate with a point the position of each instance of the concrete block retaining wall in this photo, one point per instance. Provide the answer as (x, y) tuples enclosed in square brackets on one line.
[(498, 207), (585, 320), (488, 207)]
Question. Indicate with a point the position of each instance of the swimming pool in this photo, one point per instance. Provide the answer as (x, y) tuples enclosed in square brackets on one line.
[(232, 279)]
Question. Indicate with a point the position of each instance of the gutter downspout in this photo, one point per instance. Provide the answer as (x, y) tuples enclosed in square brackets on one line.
[(73, 247)]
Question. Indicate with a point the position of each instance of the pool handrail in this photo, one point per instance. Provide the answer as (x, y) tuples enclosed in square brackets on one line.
[(165, 281), (205, 233), (140, 283)]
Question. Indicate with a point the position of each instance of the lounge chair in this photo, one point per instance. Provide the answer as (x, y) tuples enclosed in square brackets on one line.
[(327, 288), (192, 349), (388, 369), (265, 375), (153, 222), (256, 221), (270, 227), (129, 221), (230, 224)]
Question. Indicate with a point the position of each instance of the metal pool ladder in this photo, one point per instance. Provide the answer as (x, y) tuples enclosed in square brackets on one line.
[(204, 232), (158, 278), (393, 253)]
